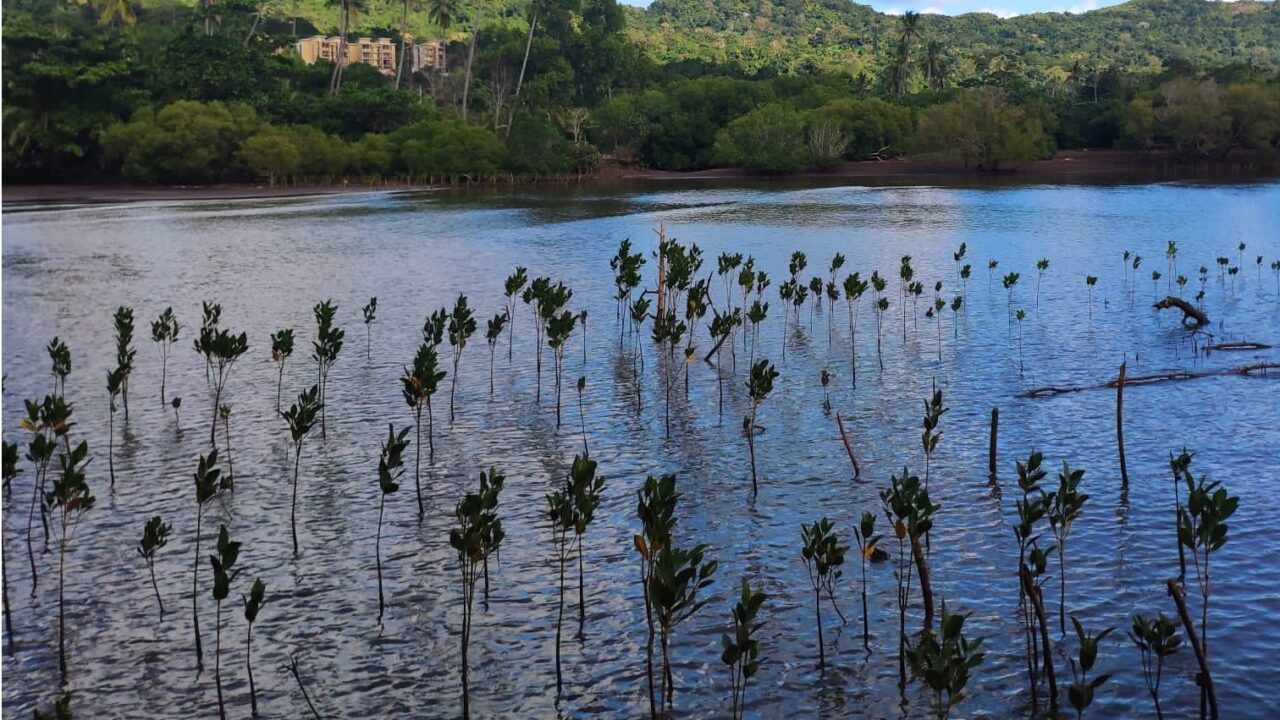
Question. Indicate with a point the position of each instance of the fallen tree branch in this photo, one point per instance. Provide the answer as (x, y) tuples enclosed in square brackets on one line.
[(1050, 391), (1237, 346), (1189, 311), (857, 471)]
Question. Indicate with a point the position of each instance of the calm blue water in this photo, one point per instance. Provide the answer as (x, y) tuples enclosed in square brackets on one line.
[(65, 269)]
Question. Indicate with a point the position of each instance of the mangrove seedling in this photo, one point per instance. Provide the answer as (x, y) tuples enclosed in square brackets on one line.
[(1202, 530), (909, 510), (1157, 638), (1155, 283), (833, 295), (721, 329), (656, 509), (1065, 505), (854, 288), (1171, 258), (1241, 248), (933, 412), (390, 467), (1032, 508), (905, 275), (225, 349), (164, 332), (639, 313), (756, 315), (824, 377), (956, 303), (882, 304), (582, 414), (325, 349), (945, 659), (154, 536), (223, 575), (564, 520), (115, 383), (991, 271), (559, 328), (1082, 688), (60, 364), (667, 330), (1258, 262), (370, 312), (582, 320), (478, 535), (786, 292), (11, 470), (678, 578), (71, 498), (1020, 315), (176, 403), (224, 412), (742, 651), (759, 385), (462, 325), (1010, 281), (815, 290), (865, 535), (491, 335), (209, 483), (1090, 280), (511, 288), (823, 557), (626, 278), (1041, 265), (252, 606), (418, 385), (586, 487), (203, 342), (48, 422), (281, 349), (300, 417), (125, 352)]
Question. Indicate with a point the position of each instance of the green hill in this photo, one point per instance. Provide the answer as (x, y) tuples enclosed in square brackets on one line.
[(831, 34)]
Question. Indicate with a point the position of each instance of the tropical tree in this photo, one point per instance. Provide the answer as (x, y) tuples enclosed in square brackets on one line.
[(164, 332), (300, 417)]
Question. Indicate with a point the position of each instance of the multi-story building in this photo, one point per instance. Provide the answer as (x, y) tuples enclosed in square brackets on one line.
[(380, 52), (427, 55)]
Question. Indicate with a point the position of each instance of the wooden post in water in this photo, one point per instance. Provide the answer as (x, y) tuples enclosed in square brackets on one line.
[(991, 452), (662, 270), (1124, 470)]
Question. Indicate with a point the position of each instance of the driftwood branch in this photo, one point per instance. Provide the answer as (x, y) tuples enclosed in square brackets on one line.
[(857, 471), (1051, 390), (1189, 312), (1237, 346)]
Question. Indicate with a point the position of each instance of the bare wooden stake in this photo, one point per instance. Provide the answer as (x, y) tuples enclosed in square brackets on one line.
[(1124, 469), (991, 451), (857, 471)]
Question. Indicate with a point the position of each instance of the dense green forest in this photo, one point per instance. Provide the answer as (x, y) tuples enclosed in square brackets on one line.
[(170, 92)]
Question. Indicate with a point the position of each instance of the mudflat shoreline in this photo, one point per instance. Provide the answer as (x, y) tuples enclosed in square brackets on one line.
[(1065, 167)]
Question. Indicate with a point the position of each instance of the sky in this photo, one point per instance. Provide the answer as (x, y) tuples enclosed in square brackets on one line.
[(1003, 8)]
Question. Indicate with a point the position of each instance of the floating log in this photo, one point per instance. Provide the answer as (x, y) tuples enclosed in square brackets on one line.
[(1237, 346), (1189, 312), (1051, 390)]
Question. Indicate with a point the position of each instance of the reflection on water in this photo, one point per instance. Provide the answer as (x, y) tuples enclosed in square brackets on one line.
[(269, 261)]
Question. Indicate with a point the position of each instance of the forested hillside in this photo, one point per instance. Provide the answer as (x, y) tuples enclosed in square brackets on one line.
[(166, 91)]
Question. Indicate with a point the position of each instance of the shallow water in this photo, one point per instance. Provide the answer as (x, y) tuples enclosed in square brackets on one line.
[(268, 262)]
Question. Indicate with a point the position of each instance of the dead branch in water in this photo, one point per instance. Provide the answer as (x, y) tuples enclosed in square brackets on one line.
[(1189, 311), (1237, 346), (1050, 391), (857, 471)]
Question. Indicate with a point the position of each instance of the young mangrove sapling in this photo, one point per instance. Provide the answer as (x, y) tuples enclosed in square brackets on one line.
[(154, 536)]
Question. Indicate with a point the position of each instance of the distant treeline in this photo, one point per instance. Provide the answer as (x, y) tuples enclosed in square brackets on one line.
[(163, 101)]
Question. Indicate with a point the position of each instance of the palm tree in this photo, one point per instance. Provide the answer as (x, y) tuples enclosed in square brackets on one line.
[(536, 7), (902, 65), (404, 26), (347, 11), (935, 66), (471, 54)]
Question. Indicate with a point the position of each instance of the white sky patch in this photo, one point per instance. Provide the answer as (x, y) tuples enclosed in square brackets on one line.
[(998, 12)]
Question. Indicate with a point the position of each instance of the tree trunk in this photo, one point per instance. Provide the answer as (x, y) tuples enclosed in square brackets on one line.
[(466, 83)]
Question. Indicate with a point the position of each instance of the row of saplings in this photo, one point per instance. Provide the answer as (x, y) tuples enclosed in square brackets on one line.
[(49, 422), (673, 577)]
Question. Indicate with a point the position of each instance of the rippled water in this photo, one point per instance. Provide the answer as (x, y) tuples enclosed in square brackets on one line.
[(267, 262)]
